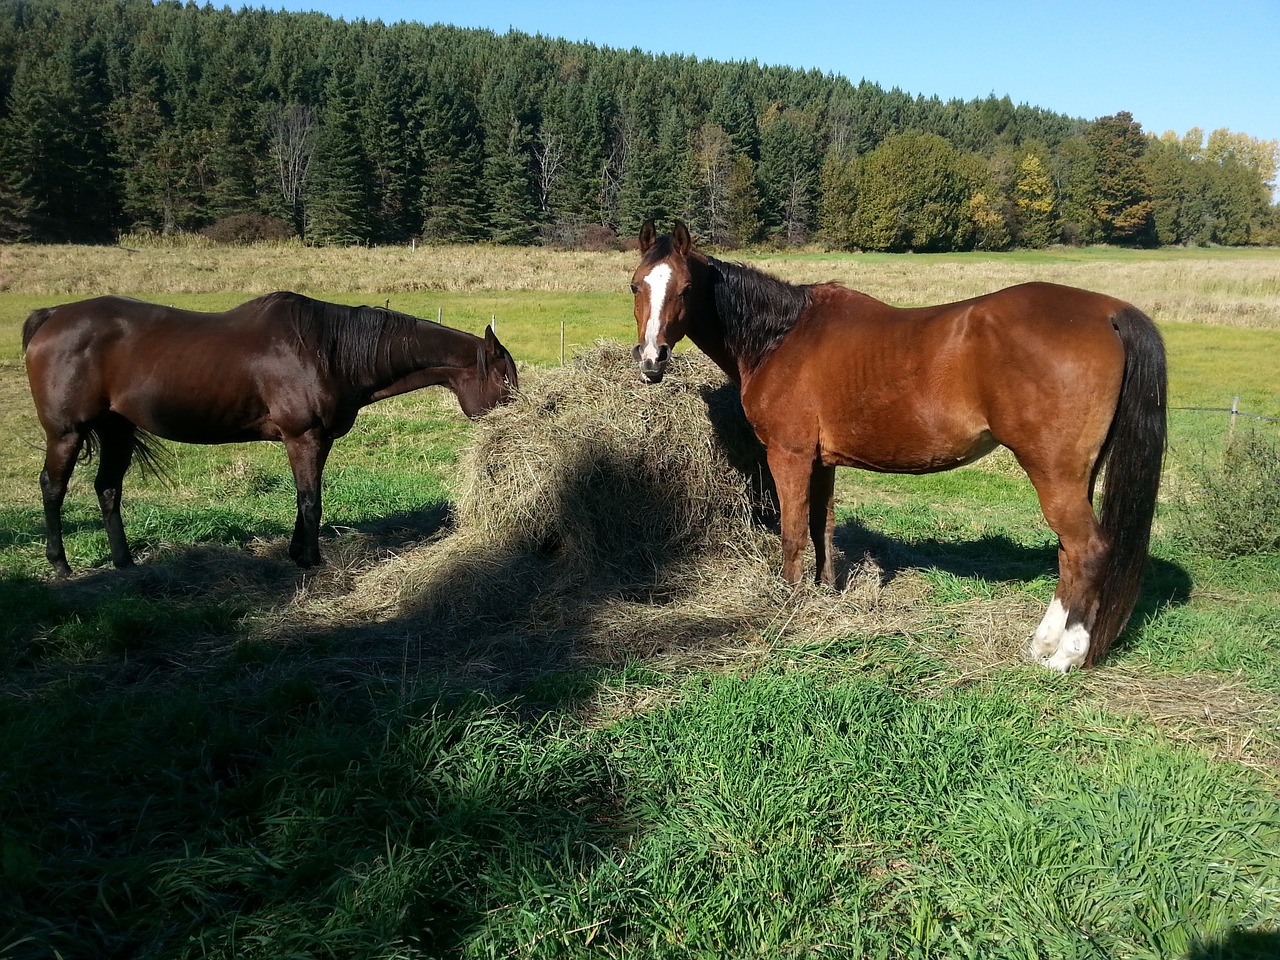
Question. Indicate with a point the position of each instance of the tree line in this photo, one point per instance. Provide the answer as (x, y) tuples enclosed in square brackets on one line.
[(133, 116)]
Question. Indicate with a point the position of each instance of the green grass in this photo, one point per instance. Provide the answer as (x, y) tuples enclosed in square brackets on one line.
[(802, 807), (195, 764)]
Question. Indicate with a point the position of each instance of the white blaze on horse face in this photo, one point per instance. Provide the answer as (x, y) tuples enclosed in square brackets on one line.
[(657, 280)]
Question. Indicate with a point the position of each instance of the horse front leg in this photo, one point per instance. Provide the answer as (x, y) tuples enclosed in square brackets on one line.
[(59, 460), (307, 455), (822, 521), (791, 476)]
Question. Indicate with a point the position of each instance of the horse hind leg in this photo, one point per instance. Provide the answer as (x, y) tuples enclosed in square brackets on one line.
[(1061, 641), (117, 441), (60, 455)]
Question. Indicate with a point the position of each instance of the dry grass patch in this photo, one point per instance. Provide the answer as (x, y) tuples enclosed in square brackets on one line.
[(1226, 287), (1236, 289), (198, 266)]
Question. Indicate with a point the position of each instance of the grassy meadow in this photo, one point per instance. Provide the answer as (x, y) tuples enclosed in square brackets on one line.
[(210, 756)]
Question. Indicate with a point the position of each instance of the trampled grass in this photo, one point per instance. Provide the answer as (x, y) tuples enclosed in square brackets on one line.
[(199, 761)]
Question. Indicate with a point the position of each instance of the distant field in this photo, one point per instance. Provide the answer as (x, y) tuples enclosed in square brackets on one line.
[(213, 755)]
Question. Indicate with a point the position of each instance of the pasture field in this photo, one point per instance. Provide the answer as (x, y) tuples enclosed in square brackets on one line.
[(207, 757)]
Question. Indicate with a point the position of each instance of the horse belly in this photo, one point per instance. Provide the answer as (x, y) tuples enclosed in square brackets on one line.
[(194, 412), (900, 455)]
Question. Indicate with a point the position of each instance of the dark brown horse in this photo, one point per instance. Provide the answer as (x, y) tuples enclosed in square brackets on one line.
[(1064, 378), (113, 372)]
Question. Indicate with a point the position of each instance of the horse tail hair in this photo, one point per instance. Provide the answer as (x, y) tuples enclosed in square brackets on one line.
[(149, 452), (34, 322), (153, 456), (1134, 455)]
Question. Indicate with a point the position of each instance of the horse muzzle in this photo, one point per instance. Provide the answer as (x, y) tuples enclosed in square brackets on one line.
[(652, 369)]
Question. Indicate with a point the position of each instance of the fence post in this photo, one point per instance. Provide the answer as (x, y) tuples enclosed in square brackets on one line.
[(1231, 431)]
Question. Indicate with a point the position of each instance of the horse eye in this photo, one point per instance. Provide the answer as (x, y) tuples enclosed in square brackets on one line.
[(686, 290), (635, 289)]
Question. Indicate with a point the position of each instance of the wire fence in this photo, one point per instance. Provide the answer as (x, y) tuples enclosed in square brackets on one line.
[(1236, 414), (1234, 410)]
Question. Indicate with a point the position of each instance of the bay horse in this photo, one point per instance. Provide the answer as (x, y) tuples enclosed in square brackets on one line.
[(109, 374), (1065, 378)]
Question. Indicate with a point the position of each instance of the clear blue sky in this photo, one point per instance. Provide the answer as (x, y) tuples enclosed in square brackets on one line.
[(1173, 64)]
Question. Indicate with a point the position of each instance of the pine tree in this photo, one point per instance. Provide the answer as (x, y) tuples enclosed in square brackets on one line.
[(677, 174), (640, 194), (1122, 195), (340, 192), (733, 111), (55, 184), (788, 174), (507, 178), (387, 91), (451, 164)]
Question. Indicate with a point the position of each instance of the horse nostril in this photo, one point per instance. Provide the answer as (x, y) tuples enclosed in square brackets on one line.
[(664, 353)]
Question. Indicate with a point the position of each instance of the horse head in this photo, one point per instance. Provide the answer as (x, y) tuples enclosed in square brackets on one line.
[(662, 286), (492, 382)]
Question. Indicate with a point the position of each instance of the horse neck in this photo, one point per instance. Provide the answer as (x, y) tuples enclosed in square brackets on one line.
[(706, 328), (425, 354), (744, 314)]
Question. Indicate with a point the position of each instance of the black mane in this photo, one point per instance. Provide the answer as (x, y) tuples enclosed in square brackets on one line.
[(352, 341), (756, 310)]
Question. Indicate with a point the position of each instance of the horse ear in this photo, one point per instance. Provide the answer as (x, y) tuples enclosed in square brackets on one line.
[(491, 343), (680, 239), (648, 236)]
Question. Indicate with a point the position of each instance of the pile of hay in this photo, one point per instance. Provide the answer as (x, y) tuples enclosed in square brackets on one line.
[(593, 490), (613, 481)]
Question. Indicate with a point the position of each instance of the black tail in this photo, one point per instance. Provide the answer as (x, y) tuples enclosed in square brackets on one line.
[(1134, 456), (149, 452), (33, 323)]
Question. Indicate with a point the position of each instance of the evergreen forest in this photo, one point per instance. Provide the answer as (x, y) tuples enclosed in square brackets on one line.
[(128, 117)]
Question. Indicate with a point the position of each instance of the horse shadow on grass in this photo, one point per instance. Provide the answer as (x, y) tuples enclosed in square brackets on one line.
[(1238, 944)]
